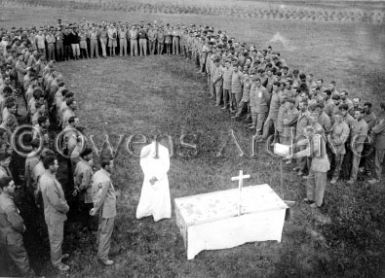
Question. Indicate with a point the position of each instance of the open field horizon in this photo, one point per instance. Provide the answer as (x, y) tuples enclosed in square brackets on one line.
[(136, 95), (302, 11)]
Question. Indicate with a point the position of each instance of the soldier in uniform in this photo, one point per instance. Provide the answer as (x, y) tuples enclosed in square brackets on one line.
[(59, 45), (359, 135), (122, 33), (133, 33), (94, 48), (83, 185), (337, 139), (168, 39), (50, 39), (175, 41), (227, 76), (142, 36), (83, 44), (152, 35), (217, 79), (103, 40), (160, 39), (112, 39), (259, 102), (55, 210), (10, 121), (12, 228), (105, 201), (378, 132)]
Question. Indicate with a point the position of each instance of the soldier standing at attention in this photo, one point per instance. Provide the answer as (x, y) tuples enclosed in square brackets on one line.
[(152, 34), (227, 75), (59, 45), (55, 210), (94, 48), (112, 39), (244, 103), (337, 138), (67, 44), (259, 103), (134, 41), (359, 133), (217, 80), (40, 42), (74, 38), (236, 86), (203, 57), (160, 38), (83, 44), (378, 132), (12, 228), (122, 33), (105, 200), (142, 35), (103, 40), (168, 39), (83, 184), (175, 41), (50, 38)]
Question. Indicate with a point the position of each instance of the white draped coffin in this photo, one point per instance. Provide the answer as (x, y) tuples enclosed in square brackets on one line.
[(210, 221)]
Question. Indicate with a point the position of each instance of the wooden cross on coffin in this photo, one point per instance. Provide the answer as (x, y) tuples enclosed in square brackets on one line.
[(240, 179)]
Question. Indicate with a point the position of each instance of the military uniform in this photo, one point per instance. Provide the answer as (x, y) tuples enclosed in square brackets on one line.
[(11, 234), (175, 42), (227, 76), (379, 143), (236, 88), (55, 213), (105, 200), (83, 182), (142, 36), (259, 103), (320, 165), (103, 41), (122, 33), (50, 38), (152, 34), (272, 116), (83, 44), (160, 39), (59, 45), (217, 80), (133, 42), (338, 137), (94, 48), (359, 134)]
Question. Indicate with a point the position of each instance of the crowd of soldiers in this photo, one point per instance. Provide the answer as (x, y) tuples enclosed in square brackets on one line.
[(323, 125)]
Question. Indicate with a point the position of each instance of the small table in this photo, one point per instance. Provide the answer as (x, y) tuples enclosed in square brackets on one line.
[(210, 221)]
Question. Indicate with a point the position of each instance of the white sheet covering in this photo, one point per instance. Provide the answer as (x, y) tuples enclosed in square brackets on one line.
[(209, 221)]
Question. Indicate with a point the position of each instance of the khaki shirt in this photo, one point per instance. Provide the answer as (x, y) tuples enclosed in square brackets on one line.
[(11, 223), (104, 195), (55, 204), (339, 134), (83, 180)]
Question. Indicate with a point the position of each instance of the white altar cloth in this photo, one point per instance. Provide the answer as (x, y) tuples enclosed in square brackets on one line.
[(210, 221)]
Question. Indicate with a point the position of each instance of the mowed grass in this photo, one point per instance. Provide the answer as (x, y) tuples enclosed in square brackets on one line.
[(139, 95), (143, 95)]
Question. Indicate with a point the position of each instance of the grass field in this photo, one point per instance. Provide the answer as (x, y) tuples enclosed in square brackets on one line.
[(136, 95)]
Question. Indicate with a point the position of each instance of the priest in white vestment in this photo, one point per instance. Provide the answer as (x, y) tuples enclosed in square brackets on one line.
[(155, 195)]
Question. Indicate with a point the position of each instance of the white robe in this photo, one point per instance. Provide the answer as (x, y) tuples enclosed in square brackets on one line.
[(154, 199)]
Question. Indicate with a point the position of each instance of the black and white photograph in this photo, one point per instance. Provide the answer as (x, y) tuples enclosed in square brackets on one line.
[(192, 138)]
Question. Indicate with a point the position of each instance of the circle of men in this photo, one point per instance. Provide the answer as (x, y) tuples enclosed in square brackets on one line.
[(253, 84)]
